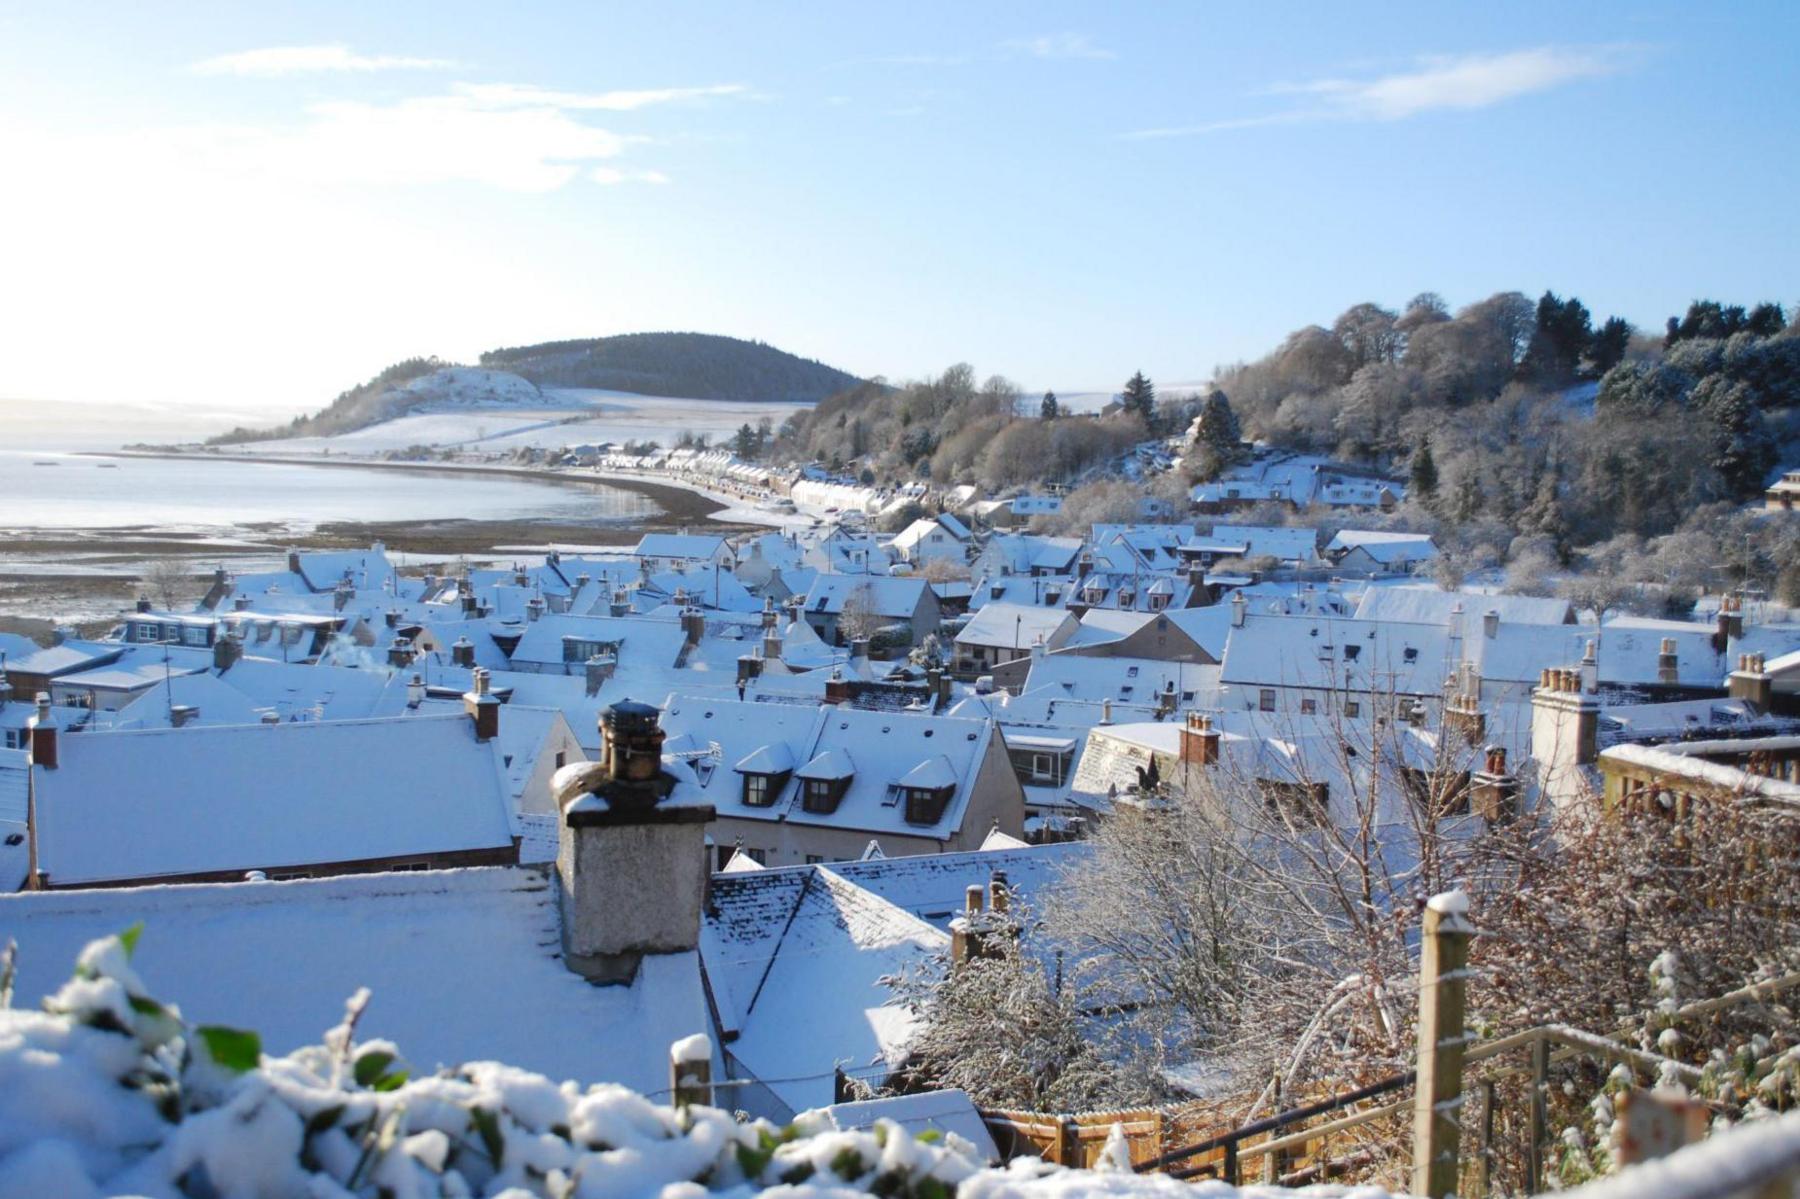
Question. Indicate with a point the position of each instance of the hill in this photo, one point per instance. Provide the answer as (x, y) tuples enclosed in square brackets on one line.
[(691, 365), (698, 365)]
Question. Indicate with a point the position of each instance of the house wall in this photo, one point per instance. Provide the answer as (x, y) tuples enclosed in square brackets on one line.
[(1160, 640), (498, 856)]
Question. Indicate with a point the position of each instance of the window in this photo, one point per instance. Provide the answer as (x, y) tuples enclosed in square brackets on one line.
[(1438, 793), (1351, 652), (1265, 699), (926, 806), (1306, 804), (756, 791), (1308, 705), (562, 759), (813, 859), (1352, 708), (193, 635), (822, 796), (1410, 654), (1043, 767)]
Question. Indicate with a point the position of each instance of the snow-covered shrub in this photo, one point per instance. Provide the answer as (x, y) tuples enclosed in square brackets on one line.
[(107, 1091)]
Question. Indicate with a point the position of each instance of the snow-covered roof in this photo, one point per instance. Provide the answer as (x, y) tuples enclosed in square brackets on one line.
[(1430, 604), (1015, 626), (774, 758), (933, 774), (281, 958), (680, 545), (829, 764), (1337, 653), (890, 597), (1285, 544), (164, 802)]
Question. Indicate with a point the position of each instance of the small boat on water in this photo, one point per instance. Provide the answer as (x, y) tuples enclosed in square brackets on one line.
[(46, 464)]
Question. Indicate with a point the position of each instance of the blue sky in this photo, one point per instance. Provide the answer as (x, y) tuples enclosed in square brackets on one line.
[(254, 206)]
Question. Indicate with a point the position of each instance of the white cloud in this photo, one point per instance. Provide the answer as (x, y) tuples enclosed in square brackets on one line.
[(519, 95), (1437, 83), (274, 61), (612, 175), (1057, 45)]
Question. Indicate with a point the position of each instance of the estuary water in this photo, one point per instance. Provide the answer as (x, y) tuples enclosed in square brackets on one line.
[(46, 490)]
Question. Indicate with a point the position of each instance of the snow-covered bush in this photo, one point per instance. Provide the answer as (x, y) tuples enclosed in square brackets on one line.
[(107, 1091)]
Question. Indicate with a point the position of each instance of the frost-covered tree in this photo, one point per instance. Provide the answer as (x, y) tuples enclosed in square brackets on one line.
[(1139, 398), (1218, 439)]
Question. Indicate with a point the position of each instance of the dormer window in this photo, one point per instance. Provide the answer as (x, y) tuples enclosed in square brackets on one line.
[(825, 781), (760, 789), (927, 790), (765, 772)]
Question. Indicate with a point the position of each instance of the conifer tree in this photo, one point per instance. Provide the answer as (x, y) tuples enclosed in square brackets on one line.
[(1422, 483), (1140, 397), (1050, 409)]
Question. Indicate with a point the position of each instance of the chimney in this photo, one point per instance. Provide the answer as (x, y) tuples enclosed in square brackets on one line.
[(1165, 700), (1417, 713), (1751, 682), (392, 617), (181, 715), (415, 691), (597, 669), (693, 625), (1494, 790), (143, 603), (631, 867), (768, 615), (621, 603), (1490, 623), (271, 717), (1106, 710), (341, 594), (771, 644), (582, 580), (965, 930), (1199, 741), (934, 686), (1239, 605), (837, 687), (481, 706), (1565, 733), (534, 607), (750, 666), (241, 604), (859, 650), (1463, 715), (41, 734), (462, 652), (1730, 624), (520, 577), (400, 654), (1668, 665), (227, 649), (1590, 668)]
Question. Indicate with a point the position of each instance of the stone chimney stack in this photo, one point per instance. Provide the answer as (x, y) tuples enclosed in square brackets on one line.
[(143, 603), (621, 603), (1668, 665), (534, 607), (771, 644), (462, 652), (40, 734), (693, 625), (837, 687), (182, 715), (859, 650), (1463, 715), (241, 604), (1239, 606), (1106, 710), (631, 866), (597, 669), (1590, 668), (1494, 790), (1730, 623), (471, 606), (749, 668), (1199, 740), (481, 706), (769, 617), (1490, 623), (400, 653), (227, 649), (1565, 733), (1751, 682)]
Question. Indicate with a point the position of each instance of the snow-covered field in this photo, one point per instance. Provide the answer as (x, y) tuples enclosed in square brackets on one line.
[(548, 420)]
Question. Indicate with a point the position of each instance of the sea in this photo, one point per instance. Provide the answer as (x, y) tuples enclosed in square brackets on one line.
[(76, 491)]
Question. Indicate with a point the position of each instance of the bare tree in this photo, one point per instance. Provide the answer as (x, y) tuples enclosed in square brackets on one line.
[(859, 618), (167, 581)]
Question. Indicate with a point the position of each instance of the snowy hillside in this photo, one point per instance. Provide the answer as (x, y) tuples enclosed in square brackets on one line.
[(460, 387)]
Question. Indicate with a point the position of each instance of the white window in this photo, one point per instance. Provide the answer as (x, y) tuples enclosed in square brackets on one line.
[(1043, 766)]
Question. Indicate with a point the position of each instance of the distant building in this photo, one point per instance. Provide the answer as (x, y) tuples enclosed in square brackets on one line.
[(1785, 495)]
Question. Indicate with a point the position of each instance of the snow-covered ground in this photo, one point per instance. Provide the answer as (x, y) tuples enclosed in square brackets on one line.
[(550, 419)]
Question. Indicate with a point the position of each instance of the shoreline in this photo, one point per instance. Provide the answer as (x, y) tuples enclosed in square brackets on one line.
[(676, 501)]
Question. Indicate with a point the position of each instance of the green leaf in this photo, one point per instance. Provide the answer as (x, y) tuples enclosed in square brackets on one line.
[(488, 1126), (848, 1164), (232, 1048), (324, 1118), (931, 1188), (371, 1066), (147, 1007), (391, 1082), (795, 1175), (129, 938), (753, 1161), (930, 1136)]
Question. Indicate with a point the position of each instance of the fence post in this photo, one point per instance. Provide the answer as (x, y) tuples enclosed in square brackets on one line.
[(1487, 1138), (1437, 1094), (690, 1070), (1652, 1125), (1534, 1149)]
